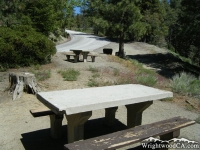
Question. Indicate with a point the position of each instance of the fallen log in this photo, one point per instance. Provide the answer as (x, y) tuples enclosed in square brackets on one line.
[(22, 81)]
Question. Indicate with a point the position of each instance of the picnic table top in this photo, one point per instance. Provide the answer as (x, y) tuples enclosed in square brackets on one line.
[(88, 99)]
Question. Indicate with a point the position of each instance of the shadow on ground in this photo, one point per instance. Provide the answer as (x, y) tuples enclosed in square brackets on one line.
[(41, 139), (167, 65)]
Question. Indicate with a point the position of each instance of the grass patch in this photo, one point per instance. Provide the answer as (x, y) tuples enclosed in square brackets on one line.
[(93, 70), (189, 107), (93, 83), (198, 120), (70, 74), (148, 80), (185, 84), (40, 75), (125, 78), (116, 72), (43, 75), (36, 67), (142, 75), (95, 75)]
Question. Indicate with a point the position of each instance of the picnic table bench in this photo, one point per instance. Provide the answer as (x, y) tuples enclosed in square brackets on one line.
[(166, 129)]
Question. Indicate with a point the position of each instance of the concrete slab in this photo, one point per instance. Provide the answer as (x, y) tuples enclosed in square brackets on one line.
[(88, 99)]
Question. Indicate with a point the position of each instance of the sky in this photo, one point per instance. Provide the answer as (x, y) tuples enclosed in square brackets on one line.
[(77, 10)]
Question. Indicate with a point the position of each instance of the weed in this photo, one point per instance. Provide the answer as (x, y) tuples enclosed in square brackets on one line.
[(124, 80), (43, 75), (107, 83), (40, 75), (93, 70), (148, 80), (185, 84), (136, 63), (36, 67), (198, 119), (189, 107), (70, 74), (116, 72), (93, 83), (95, 75)]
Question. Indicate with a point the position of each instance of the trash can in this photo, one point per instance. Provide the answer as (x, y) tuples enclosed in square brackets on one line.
[(107, 51)]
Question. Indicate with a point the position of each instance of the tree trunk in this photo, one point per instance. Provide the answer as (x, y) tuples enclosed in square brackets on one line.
[(121, 53), (20, 82)]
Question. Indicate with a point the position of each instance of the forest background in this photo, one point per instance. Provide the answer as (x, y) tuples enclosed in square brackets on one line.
[(29, 29)]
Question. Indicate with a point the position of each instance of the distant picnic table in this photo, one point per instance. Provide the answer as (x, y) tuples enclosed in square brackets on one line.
[(76, 53)]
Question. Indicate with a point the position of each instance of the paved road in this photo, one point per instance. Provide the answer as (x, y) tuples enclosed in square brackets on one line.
[(80, 40)]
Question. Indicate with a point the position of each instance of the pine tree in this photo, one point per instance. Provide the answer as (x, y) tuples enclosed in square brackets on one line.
[(154, 17), (189, 30), (116, 18), (11, 12)]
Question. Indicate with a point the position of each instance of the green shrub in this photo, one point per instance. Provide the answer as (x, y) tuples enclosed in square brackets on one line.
[(149, 80), (93, 83), (23, 46), (70, 74), (185, 84)]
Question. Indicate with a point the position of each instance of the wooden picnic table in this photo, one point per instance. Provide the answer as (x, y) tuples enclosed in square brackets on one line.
[(78, 104), (83, 52)]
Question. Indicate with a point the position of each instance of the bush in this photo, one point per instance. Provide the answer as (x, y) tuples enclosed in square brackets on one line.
[(23, 46), (149, 80), (185, 84)]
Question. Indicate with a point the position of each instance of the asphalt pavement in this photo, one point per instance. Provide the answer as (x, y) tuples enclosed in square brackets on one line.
[(83, 41)]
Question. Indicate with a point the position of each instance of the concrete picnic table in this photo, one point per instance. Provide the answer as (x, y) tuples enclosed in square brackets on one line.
[(83, 52), (78, 104)]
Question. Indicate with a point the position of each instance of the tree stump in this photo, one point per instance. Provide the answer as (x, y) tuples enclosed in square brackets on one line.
[(22, 81)]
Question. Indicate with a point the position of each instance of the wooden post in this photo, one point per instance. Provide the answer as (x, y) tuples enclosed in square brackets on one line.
[(22, 81)]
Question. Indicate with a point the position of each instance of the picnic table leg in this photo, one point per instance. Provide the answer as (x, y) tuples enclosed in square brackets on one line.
[(134, 113), (85, 56), (68, 57), (93, 58), (110, 116), (56, 125), (76, 58), (75, 125)]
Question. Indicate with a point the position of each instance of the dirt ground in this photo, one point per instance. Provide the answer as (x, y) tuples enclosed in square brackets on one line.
[(19, 130)]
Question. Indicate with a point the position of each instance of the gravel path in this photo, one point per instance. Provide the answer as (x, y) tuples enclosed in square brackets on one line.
[(19, 130)]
